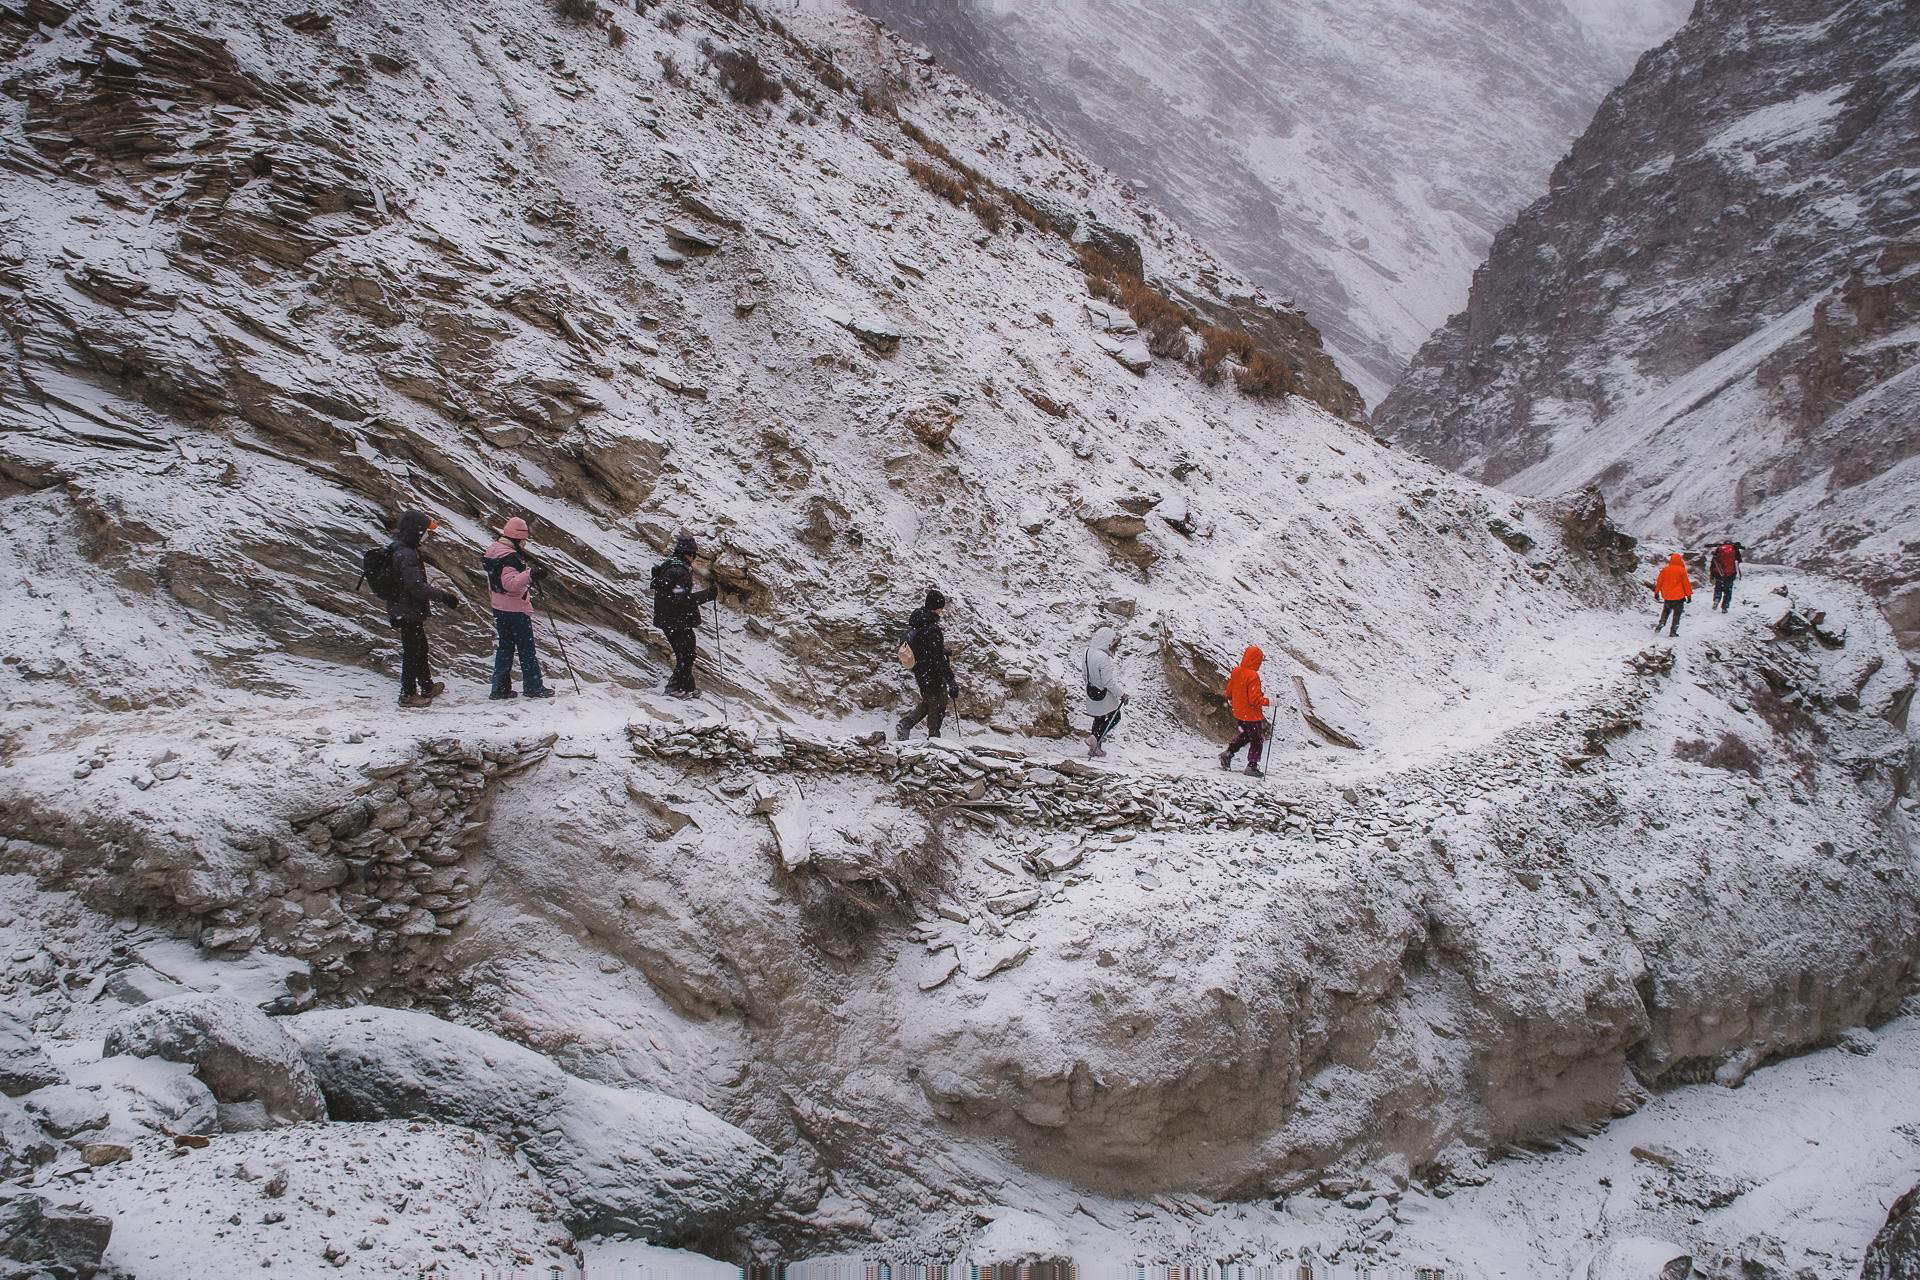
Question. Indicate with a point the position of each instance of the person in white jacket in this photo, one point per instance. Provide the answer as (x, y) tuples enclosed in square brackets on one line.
[(1104, 697)]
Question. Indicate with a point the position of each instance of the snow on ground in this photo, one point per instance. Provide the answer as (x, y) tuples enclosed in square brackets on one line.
[(328, 1199)]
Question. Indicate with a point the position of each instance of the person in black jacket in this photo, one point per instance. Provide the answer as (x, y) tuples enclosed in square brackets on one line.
[(676, 611), (411, 606), (932, 667)]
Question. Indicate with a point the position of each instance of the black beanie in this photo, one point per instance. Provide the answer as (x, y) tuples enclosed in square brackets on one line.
[(934, 599)]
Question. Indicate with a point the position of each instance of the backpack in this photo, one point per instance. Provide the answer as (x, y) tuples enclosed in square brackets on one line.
[(1723, 560), (378, 571), (662, 583), (906, 655)]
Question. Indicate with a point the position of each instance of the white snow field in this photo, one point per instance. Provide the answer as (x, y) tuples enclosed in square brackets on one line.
[(745, 975)]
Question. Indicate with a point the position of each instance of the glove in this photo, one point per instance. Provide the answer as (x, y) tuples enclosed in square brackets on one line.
[(1125, 698), (447, 600), (540, 573), (953, 691)]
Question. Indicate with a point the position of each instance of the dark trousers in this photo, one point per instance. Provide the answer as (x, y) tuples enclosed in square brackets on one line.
[(932, 708), (681, 638), (1103, 725), (1253, 736), (1722, 592), (513, 633), (416, 675), (1671, 609)]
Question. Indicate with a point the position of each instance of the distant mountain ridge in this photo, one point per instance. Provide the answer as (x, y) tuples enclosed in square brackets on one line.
[(1358, 156)]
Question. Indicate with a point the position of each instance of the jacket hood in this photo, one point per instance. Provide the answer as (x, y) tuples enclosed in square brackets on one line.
[(411, 528), (1252, 657), (1677, 558), (1103, 640), (922, 617)]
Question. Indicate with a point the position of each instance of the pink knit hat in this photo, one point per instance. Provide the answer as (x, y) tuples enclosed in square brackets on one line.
[(514, 530)]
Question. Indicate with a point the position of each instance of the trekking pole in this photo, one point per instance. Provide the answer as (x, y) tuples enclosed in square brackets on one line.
[(555, 628), (720, 667)]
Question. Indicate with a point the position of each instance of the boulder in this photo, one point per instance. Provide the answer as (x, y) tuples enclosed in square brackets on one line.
[(23, 1067), (65, 1111), (1894, 1253), (1121, 517), (149, 1095), (252, 1066), (24, 1145), (59, 1241), (622, 1160), (1589, 531)]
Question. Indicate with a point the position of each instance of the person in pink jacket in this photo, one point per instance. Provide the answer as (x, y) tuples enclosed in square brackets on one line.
[(511, 578)]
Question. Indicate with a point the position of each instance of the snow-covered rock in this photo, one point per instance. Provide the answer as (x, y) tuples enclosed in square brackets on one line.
[(24, 1066), (46, 1239), (250, 1064), (1894, 1253), (621, 1160)]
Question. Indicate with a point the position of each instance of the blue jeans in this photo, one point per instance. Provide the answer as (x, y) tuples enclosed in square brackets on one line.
[(515, 633)]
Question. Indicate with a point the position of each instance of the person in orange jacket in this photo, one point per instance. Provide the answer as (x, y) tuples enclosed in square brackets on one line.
[(1675, 590), (1249, 711)]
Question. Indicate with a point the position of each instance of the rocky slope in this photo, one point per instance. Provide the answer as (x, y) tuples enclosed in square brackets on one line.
[(743, 974), (1712, 314), (1357, 157)]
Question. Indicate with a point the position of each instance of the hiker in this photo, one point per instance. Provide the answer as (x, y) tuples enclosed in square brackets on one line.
[(410, 600), (932, 665), (1675, 590), (1723, 566), (511, 578), (676, 610), (1104, 698), (1249, 711)]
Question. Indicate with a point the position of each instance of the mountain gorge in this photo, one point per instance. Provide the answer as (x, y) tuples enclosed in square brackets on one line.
[(1712, 313), (1357, 158), (308, 981)]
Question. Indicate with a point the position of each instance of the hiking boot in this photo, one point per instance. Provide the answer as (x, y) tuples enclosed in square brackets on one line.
[(682, 694), (501, 695), (415, 700), (543, 692), (902, 731), (1098, 753), (1226, 759), (1255, 771), (435, 689), (1093, 745)]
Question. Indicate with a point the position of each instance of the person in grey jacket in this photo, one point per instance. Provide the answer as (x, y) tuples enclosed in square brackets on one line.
[(1104, 697)]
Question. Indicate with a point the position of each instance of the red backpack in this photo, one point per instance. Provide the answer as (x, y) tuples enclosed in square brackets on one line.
[(1724, 560)]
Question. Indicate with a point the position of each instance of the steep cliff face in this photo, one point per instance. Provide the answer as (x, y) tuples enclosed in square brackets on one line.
[(1357, 157), (1712, 314)]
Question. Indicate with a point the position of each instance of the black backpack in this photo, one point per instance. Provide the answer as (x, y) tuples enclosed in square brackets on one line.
[(663, 593), (378, 571)]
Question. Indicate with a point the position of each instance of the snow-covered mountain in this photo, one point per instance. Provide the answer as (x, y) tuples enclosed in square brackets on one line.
[(301, 977), (1355, 155), (1713, 313)]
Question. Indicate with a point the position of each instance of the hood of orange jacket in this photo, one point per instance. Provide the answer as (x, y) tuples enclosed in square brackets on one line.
[(1673, 583), (1243, 687)]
